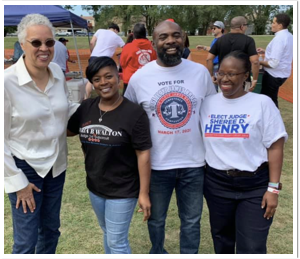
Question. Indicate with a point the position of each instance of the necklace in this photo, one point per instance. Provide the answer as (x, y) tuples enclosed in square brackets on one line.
[(101, 115)]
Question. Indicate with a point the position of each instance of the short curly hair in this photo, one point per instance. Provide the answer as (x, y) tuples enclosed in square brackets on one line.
[(31, 20)]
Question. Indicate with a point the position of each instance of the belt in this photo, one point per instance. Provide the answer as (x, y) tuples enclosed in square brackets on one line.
[(239, 173)]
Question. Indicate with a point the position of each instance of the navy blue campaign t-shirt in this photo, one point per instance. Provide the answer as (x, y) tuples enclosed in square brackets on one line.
[(109, 147)]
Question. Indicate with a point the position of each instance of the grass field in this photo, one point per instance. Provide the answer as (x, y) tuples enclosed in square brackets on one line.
[(82, 42), (80, 233)]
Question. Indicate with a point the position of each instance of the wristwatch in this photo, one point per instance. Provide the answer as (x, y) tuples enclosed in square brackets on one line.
[(277, 186)]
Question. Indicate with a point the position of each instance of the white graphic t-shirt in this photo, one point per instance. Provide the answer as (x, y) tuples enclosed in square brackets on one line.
[(237, 132), (172, 97)]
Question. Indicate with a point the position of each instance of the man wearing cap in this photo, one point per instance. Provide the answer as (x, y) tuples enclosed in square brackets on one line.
[(64, 41), (218, 30), (235, 40), (60, 56)]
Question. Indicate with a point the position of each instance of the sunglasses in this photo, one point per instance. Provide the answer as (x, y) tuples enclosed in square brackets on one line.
[(38, 43)]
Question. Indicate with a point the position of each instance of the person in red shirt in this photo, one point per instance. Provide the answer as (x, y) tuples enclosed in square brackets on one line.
[(136, 54)]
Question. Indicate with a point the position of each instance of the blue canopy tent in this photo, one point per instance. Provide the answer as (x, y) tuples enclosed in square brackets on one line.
[(59, 17)]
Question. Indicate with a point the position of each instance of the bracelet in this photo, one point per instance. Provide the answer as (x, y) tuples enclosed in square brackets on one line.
[(272, 190), (277, 186)]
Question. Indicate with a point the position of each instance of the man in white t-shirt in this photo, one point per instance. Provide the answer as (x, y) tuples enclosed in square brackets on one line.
[(278, 57), (104, 43), (171, 90)]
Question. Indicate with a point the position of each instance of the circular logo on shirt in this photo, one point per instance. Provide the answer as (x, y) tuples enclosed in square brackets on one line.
[(174, 110), (144, 58)]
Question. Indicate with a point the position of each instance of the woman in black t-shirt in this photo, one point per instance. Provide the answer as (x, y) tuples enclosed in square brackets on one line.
[(115, 138)]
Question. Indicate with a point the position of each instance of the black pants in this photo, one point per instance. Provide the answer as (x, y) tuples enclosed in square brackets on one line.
[(235, 213), (270, 86)]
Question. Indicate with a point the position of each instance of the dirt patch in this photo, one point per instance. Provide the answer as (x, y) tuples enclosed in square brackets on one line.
[(285, 91)]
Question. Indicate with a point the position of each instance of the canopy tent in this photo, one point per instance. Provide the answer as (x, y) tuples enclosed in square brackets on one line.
[(59, 17)]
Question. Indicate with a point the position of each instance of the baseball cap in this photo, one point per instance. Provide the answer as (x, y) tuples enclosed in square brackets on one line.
[(63, 40), (219, 24)]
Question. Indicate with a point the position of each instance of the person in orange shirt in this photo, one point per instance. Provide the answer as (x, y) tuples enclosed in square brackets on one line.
[(136, 54)]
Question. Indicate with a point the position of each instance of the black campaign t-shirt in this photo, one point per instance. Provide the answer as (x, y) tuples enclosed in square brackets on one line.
[(109, 146), (233, 41)]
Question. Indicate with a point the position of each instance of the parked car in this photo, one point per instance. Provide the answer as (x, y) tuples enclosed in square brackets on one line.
[(80, 33), (64, 33), (91, 33)]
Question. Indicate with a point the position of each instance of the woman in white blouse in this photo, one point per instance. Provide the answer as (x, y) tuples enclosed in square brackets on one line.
[(36, 112)]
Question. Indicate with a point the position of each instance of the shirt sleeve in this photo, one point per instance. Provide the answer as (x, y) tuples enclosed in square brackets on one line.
[(141, 138), (121, 42), (74, 121), (14, 178), (130, 93), (251, 47), (273, 126)]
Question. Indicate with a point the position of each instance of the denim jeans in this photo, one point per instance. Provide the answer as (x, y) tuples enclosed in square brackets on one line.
[(188, 184), (236, 216), (38, 232), (114, 217)]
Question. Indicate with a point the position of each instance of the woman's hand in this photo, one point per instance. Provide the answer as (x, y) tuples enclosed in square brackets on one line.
[(145, 206), (26, 197), (271, 201)]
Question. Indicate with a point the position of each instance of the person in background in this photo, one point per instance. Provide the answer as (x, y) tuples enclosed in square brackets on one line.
[(136, 54), (17, 52), (244, 156), (130, 38), (117, 154), (278, 57), (217, 31), (235, 40), (36, 111), (104, 43), (64, 41), (60, 56), (186, 51), (171, 90)]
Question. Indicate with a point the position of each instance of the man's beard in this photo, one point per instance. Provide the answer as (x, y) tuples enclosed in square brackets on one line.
[(170, 59)]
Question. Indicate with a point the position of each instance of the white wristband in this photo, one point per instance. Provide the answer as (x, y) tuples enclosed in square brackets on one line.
[(272, 190)]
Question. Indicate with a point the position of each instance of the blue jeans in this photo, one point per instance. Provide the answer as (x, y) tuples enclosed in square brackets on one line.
[(114, 217), (38, 232), (236, 217), (188, 184)]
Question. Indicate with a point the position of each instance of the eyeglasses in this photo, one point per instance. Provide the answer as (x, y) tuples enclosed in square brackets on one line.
[(38, 43), (229, 75)]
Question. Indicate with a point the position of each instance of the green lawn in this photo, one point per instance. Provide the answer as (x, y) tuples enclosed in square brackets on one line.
[(80, 233), (82, 42)]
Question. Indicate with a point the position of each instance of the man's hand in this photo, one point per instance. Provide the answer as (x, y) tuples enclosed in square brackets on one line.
[(199, 47), (260, 51)]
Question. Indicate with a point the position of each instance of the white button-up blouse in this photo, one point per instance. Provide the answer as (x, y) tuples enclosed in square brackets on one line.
[(34, 124)]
